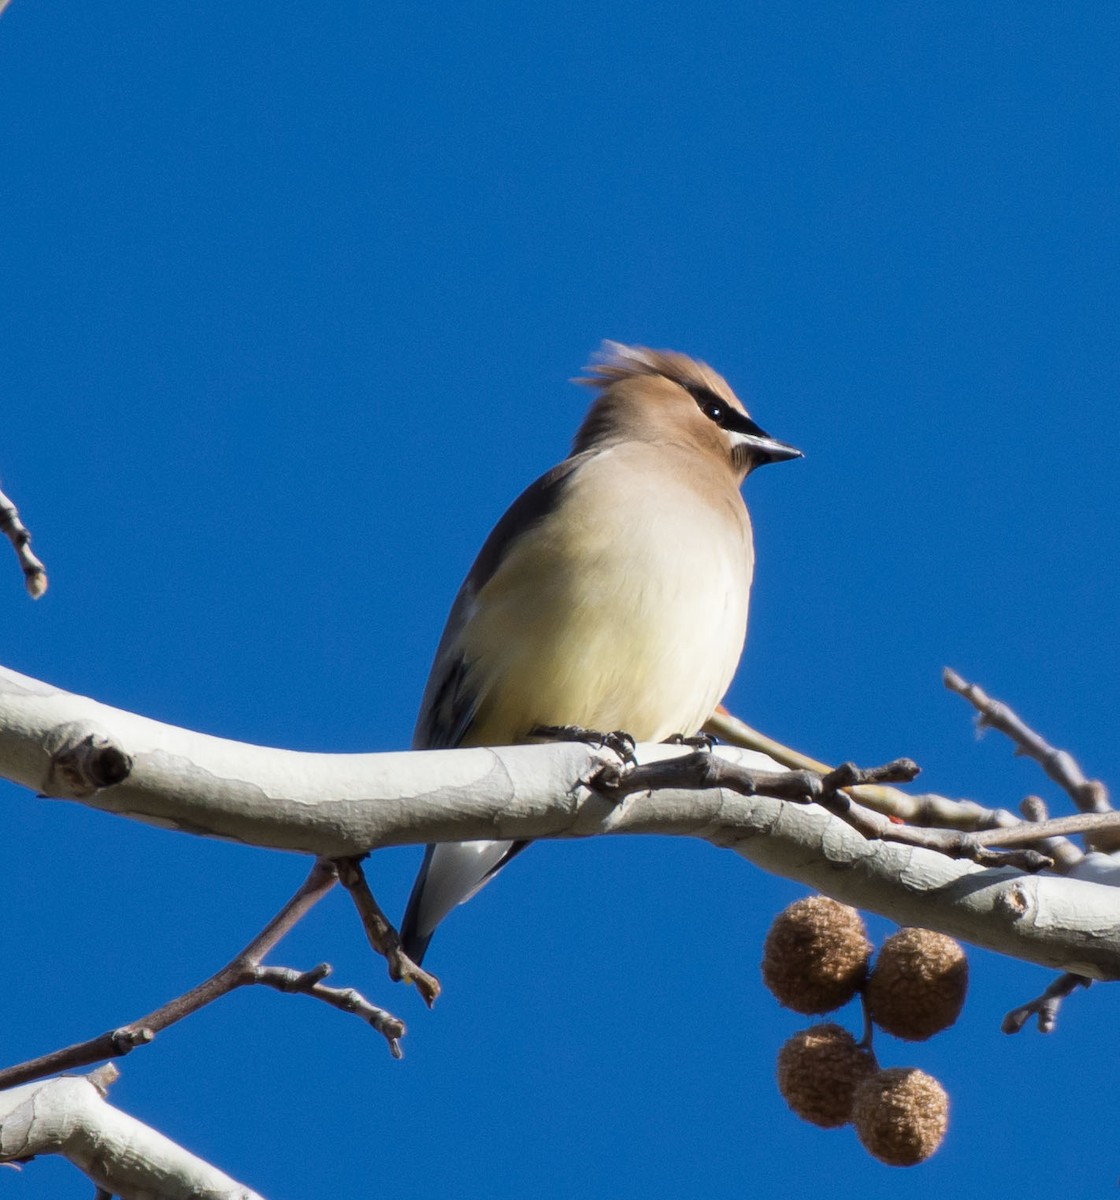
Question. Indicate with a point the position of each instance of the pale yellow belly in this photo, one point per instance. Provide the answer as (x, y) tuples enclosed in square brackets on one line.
[(627, 615)]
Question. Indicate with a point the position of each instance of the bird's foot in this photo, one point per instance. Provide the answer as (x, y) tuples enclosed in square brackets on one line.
[(617, 740), (699, 741)]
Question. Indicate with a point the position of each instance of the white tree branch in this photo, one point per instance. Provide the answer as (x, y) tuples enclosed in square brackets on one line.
[(67, 746), (122, 1156)]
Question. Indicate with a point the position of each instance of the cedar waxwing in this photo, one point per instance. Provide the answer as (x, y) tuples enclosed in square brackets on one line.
[(611, 596)]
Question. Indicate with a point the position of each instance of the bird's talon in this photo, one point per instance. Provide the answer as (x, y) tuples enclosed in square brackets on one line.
[(617, 740), (698, 741), (621, 743)]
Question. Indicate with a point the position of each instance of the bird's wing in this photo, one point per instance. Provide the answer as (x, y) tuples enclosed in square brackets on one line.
[(454, 871), (447, 708)]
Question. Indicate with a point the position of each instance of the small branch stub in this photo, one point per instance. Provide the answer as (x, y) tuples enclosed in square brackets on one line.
[(1045, 1007), (34, 573)]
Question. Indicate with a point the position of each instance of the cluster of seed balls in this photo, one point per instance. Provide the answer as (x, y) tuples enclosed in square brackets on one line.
[(817, 957)]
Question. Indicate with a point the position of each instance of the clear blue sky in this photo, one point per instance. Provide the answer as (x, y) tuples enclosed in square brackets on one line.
[(291, 297)]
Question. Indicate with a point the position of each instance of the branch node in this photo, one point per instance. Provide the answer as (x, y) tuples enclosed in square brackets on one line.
[(128, 1037), (83, 761)]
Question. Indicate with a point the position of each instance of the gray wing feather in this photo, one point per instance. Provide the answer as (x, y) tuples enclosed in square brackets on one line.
[(453, 872)]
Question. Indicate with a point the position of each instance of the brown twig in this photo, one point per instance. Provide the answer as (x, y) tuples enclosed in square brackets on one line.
[(1066, 854), (1044, 1007), (926, 809), (246, 968), (1028, 832), (1089, 795), (704, 769), (867, 1042), (381, 933), (1015, 846), (34, 573), (309, 983)]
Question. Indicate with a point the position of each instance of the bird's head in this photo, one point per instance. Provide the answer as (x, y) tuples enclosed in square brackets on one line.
[(663, 396)]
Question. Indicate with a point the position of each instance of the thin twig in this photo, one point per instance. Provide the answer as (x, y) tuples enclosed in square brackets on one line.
[(1066, 854), (309, 983), (704, 769), (867, 1042), (34, 573), (1089, 795), (1044, 1007), (1028, 832), (1003, 847), (381, 933), (246, 968), (930, 810), (925, 809)]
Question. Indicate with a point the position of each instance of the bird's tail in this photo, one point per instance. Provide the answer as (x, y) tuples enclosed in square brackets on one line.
[(413, 942), (451, 874)]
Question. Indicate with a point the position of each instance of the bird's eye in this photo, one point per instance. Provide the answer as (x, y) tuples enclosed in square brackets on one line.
[(714, 410)]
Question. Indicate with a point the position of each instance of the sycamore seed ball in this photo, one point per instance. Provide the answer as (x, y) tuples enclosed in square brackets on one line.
[(900, 1115), (918, 985), (815, 955), (818, 1070)]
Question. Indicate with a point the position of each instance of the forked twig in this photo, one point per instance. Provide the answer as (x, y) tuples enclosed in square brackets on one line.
[(928, 809), (1044, 1007), (1089, 795), (246, 968), (1001, 847)]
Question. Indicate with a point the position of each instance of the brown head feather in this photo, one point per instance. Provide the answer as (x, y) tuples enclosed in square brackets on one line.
[(615, 362), (654, 396)]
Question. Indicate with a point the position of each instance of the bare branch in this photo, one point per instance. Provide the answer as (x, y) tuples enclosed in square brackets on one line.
[(309, 983), (381, 933), (701, 768), (1044, 1007), (833, 792), (928, 810), (34, 573), (343, 805), (1028, 832), (246, 968), (120, 1155), (1064, 853), (1089, 795)]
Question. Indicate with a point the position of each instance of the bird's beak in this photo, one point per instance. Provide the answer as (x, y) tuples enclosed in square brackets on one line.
[(754, 447), (763, 449)]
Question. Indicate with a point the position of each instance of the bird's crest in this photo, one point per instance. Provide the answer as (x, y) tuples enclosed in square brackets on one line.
[(614, 361)]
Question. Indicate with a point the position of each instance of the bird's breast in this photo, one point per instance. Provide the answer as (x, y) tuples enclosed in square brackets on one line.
[(623, 608)]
